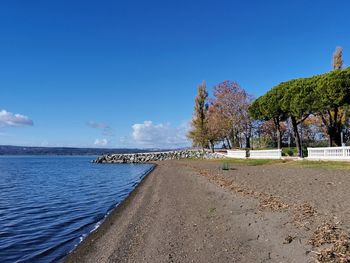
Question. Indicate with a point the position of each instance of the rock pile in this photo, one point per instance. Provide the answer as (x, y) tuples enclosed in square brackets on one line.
[(156, 156)]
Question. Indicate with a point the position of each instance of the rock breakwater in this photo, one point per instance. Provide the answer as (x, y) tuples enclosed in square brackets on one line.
[(156, 156)]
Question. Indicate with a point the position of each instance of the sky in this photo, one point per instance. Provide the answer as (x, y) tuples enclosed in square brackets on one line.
[(122, 74)]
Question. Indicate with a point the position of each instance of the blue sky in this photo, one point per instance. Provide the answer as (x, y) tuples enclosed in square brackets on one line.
[(125, 73)]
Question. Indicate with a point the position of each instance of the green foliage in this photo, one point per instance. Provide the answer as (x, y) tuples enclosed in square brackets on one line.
[(271, 104), (268, 106), (325, 95), (290, 151), (255, 111), (333, 97), (293, 151), (333, 90), (225, 166), (298, 98)]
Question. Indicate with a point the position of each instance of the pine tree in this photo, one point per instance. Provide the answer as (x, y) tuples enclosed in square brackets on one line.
[(335, 126), (199, 131)]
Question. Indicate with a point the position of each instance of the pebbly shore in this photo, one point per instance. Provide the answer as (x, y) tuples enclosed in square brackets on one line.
[(157, 156), (191, 211)]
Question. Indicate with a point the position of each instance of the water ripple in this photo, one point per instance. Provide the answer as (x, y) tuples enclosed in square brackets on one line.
[(49, 204)]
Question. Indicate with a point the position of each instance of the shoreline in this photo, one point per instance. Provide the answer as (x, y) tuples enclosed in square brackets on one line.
[(114, 214), (193, 211), (192, 225)]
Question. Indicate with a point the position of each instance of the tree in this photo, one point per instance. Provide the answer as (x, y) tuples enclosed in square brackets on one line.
[(233, 102), (269, 133), (330, 116), (199, 131), (326, 96), (299, 102), (218, 125), (294, 99), (268, 107), (345, 120), (337, 62), (333, 94)]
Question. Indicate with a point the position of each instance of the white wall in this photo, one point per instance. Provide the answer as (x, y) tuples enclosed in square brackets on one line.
[(265, 154), (236, 154)]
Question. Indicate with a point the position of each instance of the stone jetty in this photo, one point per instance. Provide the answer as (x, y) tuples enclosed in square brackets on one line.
[(157, 156)]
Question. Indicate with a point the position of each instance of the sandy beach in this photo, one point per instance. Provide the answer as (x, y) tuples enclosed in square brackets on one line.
[(193, 211)]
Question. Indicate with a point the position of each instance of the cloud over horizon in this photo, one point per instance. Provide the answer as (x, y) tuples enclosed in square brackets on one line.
[(106, 129), (148, 134), (101, 142), (8, 119)]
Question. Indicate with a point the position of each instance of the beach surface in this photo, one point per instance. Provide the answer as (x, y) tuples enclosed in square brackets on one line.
[(193, 211)]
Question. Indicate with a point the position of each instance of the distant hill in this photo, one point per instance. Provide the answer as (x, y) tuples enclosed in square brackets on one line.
[(24, 150)]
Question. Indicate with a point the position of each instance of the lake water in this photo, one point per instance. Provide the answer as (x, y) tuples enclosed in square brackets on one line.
[(49, 204)]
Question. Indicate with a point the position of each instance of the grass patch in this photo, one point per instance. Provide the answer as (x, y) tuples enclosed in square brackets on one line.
[(212, 210), (322, 164), (250, 162), (226, 162)]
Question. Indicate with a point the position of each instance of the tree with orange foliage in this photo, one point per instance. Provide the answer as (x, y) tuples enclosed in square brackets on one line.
[(231, 103), (218, 125)]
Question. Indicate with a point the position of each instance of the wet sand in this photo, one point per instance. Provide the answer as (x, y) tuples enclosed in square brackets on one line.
[(192, 211)]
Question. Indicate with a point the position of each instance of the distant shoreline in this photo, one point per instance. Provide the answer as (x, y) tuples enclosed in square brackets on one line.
[(34, 150)]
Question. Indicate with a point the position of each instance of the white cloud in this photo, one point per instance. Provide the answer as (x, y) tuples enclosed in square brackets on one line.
[(101, 142), (148, 134), (8, 119), (106, 129)]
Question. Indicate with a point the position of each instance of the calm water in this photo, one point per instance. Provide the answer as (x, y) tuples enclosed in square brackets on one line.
[(49, 204)]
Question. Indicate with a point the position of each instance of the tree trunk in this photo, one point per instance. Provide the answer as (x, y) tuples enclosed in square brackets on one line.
[(337, 128), (330, 140), (237, 143), (224, 144), (296, 136), (228, 143), (247, 142), (334, 137), (334, 127), (337, 139), (211, 143), (232, 138), (279, 139), (334, 134), (278, 132)]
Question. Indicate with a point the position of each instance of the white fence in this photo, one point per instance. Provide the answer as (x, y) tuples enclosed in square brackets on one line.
[(329, 153), (236, 153), (265, 154), (255, 154)]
